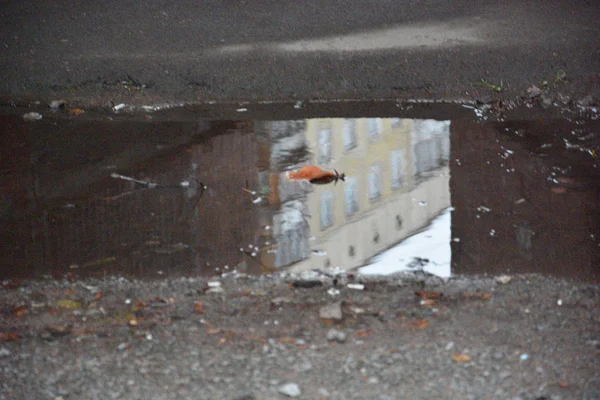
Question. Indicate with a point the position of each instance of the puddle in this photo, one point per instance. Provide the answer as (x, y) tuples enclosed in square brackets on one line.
[(168, 198)]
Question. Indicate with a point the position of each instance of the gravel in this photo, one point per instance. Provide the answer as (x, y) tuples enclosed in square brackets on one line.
[(224, 350)]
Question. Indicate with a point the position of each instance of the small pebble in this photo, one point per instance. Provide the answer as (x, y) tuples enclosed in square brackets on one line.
[(335, 335), (290, 390)]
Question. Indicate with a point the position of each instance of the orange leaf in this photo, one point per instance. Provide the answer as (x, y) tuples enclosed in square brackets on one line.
[(76, 111), (287, 339), (199, 307), (98, 296), (483, 296), (213, 331), (461, 358), (9, 337), (563, 383), (419, 324), (429, 295), (19, 311), (363, 333)]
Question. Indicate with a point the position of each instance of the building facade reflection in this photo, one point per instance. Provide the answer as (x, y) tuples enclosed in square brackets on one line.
[(396, 183)]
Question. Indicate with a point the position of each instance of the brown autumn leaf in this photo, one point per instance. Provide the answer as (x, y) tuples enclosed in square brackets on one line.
[(563, 383), (461, 358), (76, 111), (363, 333), (98, 296), (69, 292), (199, 307), (428, 303), (287, 339), (419, 324), (482, 296), (212, 331), (559, 190), (429, 295), (9, 337), (19, 311)]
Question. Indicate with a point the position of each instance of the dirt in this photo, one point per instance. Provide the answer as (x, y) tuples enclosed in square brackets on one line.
[(406, 336)]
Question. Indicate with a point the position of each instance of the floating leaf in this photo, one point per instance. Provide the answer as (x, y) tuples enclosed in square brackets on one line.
[(199, 307), (69, 304), (212, 331), (76, 111), (461, 358), (429, 295)]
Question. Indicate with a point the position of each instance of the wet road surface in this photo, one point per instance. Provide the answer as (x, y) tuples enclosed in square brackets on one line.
[(449, 197)]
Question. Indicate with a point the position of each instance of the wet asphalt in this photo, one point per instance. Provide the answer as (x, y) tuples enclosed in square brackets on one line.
[(152, 52)]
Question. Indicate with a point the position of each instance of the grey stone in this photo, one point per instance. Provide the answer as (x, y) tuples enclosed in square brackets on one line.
[(335, 335), (290, 389), (332, 311)]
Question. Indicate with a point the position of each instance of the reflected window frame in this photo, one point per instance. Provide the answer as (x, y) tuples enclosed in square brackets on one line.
[(375, 182), (349, 135), (374, 128), (324, 145), (351, 199), (398, 168), (326, 211)]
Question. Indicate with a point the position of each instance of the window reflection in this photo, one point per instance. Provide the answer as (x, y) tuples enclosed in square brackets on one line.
[(375, 182), (349, 134), (326, 210), (375, 127), (324, 148), (398, 166), (351, 195)]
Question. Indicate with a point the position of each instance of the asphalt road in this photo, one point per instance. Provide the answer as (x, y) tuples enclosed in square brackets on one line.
[(154, 51)]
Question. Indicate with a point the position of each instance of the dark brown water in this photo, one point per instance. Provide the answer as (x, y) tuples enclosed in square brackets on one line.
[(504, 197)]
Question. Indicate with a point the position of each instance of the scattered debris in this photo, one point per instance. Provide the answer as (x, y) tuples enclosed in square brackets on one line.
[(56, 104), (332, 312), (503, 279), (214, 284), (119, 107), (337, 336), (534, 91), (290, 390), (333, 292), (306, 284), (429, 295), (199, 307), (76, 111), (242, 109), (461, 358), (524, 357), (32, 116), (69, 304), (356, 286)]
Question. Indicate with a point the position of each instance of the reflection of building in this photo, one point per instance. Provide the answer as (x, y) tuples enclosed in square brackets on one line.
[(396, 182), (525, 227)]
